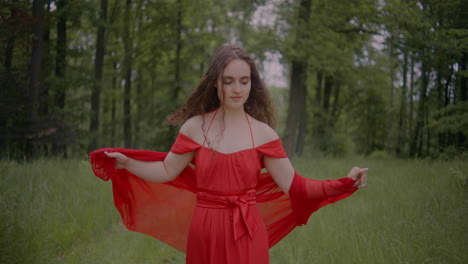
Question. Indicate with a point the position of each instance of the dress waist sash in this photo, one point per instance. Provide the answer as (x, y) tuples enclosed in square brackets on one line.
[(242, 219)]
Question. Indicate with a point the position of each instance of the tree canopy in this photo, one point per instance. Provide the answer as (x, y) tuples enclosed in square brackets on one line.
[(363, 76)]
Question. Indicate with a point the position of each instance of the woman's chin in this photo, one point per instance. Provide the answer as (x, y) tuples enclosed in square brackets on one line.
[(234, 105)]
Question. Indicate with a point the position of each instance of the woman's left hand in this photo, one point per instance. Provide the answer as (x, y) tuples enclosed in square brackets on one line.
[(359, 175)]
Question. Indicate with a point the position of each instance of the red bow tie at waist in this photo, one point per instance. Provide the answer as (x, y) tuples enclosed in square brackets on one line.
[(242, 220)]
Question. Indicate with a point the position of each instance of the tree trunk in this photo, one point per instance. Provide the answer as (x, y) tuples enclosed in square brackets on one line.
[(428, 130), (177, 81), (10, 43), (392, 89), (325, 111), (298, 76), (402, 116), (440, 104), (59, 146), (417, 140), (327, 91), (411, 100), (8, 55), (128, 59), (302, 132), (32, 105), (464, 79), (335, 110), (462, 141), (318, 132), (113, 127), (298, 89), (46, 53), (138, 119), (98, 69)]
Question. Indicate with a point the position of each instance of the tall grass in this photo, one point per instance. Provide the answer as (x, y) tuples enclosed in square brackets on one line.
[(57, 211), (410, 212)]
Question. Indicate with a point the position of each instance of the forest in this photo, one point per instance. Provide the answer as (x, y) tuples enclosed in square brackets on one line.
[(380, 84), (367, 77)]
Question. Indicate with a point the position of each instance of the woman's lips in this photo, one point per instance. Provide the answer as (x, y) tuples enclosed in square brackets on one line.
[(236, 98)]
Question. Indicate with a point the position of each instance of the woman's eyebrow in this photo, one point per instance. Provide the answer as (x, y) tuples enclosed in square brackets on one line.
[(230, 77)]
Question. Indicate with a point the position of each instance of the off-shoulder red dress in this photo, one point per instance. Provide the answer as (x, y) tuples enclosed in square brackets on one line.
[(223, 208)]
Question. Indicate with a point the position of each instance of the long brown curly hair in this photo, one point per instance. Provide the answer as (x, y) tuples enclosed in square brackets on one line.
[(205, 97)]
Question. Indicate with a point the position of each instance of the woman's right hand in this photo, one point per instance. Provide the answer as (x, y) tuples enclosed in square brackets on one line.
[(120, 159)]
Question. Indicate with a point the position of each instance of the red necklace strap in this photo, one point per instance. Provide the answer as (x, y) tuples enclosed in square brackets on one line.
[(250, 127), (209, 126)]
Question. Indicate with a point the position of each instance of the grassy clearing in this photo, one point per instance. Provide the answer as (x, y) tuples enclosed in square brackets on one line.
[(56, 211)]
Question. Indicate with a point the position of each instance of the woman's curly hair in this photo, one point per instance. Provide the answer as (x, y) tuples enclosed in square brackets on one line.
[(205, 97)]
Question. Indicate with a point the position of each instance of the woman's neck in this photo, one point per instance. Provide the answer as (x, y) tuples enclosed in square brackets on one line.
[(232, 115)]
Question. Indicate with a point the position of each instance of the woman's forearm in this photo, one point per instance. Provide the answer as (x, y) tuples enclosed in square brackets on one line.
[(154, 171)]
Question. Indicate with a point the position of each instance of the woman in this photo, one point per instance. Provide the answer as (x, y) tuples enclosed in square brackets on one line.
[(226, 133)]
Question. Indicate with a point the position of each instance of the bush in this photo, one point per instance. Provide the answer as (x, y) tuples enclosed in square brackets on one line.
[(380, 155)]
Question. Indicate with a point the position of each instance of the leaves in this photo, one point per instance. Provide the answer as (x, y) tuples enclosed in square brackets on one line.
[(358, 45)]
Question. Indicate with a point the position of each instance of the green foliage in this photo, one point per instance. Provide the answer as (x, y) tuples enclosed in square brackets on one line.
[(379, 155), (453, 119), (369, 109)]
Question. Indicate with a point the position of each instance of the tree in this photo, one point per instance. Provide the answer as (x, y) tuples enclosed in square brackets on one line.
[(297, 118), (98, 69), (59, 146), (34, 77), (128, 61)]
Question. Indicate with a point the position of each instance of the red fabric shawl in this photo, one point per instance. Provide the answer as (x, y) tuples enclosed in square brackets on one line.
[(164, 210)]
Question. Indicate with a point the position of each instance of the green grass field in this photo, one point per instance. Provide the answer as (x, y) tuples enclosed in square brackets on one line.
[(55, 211)]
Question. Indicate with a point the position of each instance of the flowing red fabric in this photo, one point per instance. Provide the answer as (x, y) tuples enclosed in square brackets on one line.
[(165, 210)]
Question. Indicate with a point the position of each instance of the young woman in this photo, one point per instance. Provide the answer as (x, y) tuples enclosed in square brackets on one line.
[(223, 208)]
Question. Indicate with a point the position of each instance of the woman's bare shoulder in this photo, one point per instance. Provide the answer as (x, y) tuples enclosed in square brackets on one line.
[(263, 133), (193, 127)]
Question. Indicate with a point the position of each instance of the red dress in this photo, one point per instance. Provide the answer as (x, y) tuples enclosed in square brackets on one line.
[(224, 210)]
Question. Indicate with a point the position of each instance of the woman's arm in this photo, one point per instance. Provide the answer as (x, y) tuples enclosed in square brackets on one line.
[(156, 171), (282, 172)]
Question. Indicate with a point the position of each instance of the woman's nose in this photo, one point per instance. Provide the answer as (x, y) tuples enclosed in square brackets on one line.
[(237, 88)]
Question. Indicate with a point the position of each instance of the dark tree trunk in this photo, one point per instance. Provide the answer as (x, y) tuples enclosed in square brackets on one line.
[(177, 81), (298, 89), (417, 140), (411, 101), (447, 87), (325, 113), (113, 126), (59, 147), (11, 25), (464, 79), (462, 141), (139, 118), (128, 47), (392, 91), (98, 69), (440, 104), (302, 132), (32, 105), (402, 116), (335, 110), (298, 76), (46, 48), (327, 91), (427, 130), (10, 43), (318, 132)]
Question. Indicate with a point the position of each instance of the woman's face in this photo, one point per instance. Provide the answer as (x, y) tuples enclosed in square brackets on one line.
[(234, 85)]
